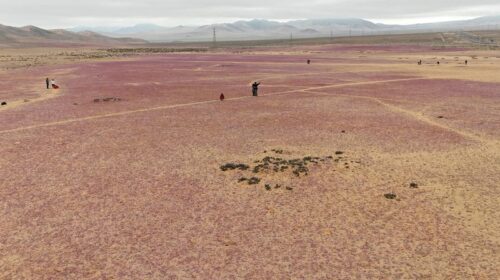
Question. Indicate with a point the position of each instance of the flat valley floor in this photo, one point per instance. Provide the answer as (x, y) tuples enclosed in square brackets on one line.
[(118, 174)]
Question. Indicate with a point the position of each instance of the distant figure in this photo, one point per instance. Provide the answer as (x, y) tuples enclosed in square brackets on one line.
[(222, 97), (438, 63), (308, 61), (420, 62), (466, 62), (255, 89), (47, 82)]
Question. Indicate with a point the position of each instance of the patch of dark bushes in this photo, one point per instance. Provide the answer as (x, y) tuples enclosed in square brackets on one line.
[(253, 181), (233, 166), (390, 195)]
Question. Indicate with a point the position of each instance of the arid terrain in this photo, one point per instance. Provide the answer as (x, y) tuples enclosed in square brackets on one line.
[(360, 165)]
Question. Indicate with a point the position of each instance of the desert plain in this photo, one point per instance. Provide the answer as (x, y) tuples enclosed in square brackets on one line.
[(360, 165)]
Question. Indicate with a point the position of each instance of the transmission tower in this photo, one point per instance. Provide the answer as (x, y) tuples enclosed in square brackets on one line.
[(214, 39)]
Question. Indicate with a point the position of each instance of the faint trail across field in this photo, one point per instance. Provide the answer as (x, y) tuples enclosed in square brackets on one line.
[(172, 106), (20, 102), (415, 115)]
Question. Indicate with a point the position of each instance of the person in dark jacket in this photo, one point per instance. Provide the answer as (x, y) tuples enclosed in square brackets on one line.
[(222, 97), (47, 82), (255, 89)]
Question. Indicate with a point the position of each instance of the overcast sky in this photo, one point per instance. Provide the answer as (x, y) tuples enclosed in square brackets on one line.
[(67, 13)]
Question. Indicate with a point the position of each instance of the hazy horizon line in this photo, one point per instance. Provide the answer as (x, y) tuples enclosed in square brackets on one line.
[(400, 21)]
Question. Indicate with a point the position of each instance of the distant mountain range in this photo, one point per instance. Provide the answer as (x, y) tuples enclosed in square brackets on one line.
[(35, 36), (265, 29), (241, 30)]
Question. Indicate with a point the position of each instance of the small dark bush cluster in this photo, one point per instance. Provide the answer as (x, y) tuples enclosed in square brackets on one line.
[(390, 195), (253, 181), (107, 99), (298, 165), (155, 50), (233, 166)]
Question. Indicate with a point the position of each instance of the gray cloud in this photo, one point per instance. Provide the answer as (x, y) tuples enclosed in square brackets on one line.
[(63, 13)]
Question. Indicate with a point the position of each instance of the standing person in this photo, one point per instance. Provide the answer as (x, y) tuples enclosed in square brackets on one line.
[(222, 97), (466, 62), (255, 89), (47, 82), (308, 61)]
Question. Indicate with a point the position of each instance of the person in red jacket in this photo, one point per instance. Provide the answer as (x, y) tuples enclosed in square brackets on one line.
[(222, 97), (54, 85)]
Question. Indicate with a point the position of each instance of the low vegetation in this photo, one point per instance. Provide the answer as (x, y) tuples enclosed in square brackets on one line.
[(270, 167)]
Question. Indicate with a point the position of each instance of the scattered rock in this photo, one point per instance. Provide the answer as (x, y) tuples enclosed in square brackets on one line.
[(413, 185), (343, 131), (26, 100), (339, 153), (268, 187), (3, 103), (440, 117), (107, 99), (289, 188), (390, 195)]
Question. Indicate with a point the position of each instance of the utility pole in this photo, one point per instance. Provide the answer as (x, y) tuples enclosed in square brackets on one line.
[(214, 39)]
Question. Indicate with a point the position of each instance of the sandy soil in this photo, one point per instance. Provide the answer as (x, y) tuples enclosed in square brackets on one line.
[(132, 187)]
